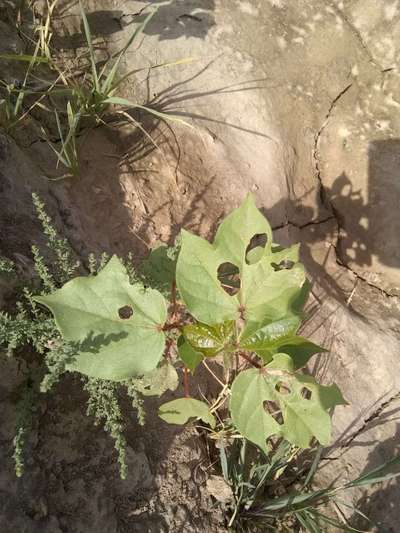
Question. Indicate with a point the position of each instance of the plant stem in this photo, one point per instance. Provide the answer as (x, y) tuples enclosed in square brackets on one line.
[(167, 353), (173, 299), (214, 376), (186, 382), (173, 325), (249, 359)]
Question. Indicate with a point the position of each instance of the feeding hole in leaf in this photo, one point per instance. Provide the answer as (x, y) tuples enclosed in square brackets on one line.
[(282, 388), (306, 393), (272, 408), (229, 278), (125, 312), (285, 264), (258, 241)]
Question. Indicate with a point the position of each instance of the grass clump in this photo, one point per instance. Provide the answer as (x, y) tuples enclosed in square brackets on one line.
[(77, 97), (277, 492)]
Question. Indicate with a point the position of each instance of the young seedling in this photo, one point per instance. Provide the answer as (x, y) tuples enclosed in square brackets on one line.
[(248, 323), (122, 336)]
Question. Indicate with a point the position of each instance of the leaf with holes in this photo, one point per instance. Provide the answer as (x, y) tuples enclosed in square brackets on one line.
[(281, 336), (275, 401), (181, 410), (118, 326), (280, 254), (188, 354), (218, 283), (210, 340)]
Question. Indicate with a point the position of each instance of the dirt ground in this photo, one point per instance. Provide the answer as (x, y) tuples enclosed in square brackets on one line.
[(296, 103)]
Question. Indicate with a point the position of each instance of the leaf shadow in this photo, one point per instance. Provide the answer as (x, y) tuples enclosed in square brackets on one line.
[(94, 342)]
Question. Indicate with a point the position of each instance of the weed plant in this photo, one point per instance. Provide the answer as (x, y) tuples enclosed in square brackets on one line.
[(77, 99)]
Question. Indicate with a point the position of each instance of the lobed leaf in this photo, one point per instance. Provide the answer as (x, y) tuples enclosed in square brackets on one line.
[(303, 417), (87, 311), (266, 294)]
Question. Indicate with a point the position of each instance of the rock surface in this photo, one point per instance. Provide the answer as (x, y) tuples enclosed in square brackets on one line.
[(295, 101)]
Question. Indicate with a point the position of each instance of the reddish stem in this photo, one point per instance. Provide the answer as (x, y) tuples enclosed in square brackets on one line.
[(249, 359), (173, 325), (236, 363), (167, 353), (173, 299), (186, 382)]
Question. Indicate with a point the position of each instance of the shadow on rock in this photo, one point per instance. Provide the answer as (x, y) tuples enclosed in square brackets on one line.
[(381, 505), (181, 18), (359, 230)]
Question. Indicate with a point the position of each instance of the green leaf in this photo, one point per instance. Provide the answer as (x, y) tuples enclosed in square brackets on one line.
[(282, 363), (197, 281), (299, 349), (329, 521), (238, 228), (384, 472), (181, 410), (210, 340), (116, 100), (301, 298), (160, 266), (88, 36), (266, 294), (255, 255), (292, 499), (159, 380), (24, 57), (302, 418), (277, 337), (257, 336), (188, 354), (88, 311)]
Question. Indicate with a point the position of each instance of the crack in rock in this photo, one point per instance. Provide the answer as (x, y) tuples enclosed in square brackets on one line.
[(305, 225), (324, 199), (356, 34), (323, 196), (326, 202), (362, 278)]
